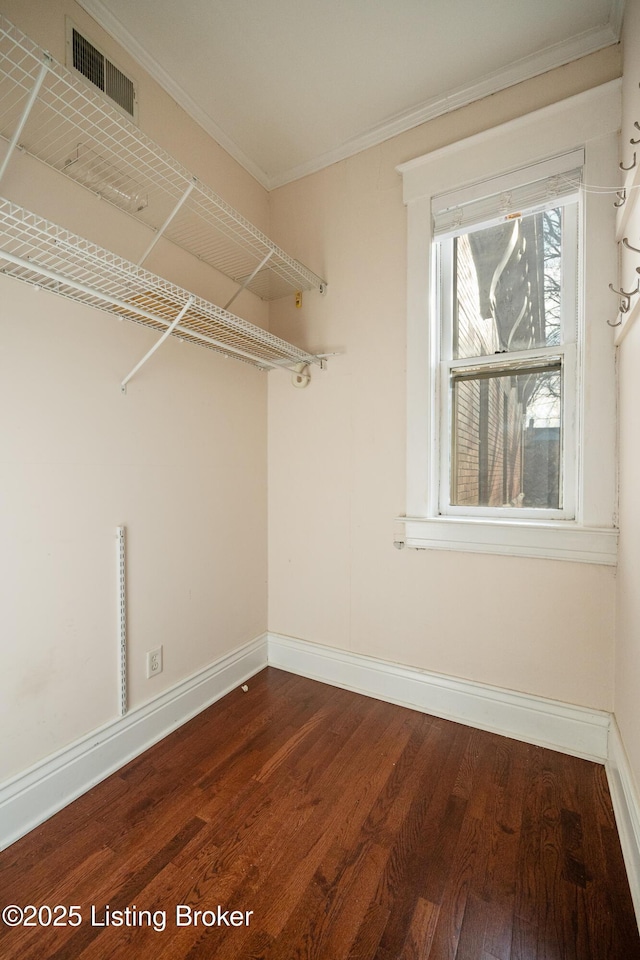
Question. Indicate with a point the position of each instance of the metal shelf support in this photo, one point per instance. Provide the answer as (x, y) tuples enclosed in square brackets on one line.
[(149, 353), (246, 283), (33, 96), (164, 226)]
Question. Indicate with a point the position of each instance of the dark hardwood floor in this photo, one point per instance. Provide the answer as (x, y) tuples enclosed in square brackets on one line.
[(348, 827)]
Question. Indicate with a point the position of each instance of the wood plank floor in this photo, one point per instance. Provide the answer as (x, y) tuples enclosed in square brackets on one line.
[(350, 828)]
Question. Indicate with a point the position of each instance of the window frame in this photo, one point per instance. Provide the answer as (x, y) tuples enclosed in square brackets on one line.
[(567, 351), (590, 121)]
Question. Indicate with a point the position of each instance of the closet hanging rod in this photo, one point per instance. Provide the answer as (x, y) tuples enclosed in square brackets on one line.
[(33, 267), (38, 252)]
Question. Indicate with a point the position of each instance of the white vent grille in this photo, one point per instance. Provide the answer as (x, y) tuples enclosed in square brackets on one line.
[(119, 87), (92, 64)]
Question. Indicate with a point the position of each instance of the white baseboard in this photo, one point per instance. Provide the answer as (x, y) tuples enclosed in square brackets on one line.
[(626, 806), (579, 731), (35, 795)]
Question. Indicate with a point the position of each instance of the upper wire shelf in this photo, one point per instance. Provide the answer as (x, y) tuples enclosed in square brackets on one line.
[(76, 131), (39, 252)]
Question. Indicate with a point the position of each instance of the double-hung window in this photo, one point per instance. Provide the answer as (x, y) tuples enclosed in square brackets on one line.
[(505, 256), (511, 429)]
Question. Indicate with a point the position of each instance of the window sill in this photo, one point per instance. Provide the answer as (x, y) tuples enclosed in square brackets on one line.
[(553, 541)]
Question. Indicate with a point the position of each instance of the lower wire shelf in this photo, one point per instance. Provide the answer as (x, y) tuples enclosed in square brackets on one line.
[(39, 252)]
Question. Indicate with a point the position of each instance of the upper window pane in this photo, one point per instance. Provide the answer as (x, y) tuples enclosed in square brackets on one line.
[(508, 286)]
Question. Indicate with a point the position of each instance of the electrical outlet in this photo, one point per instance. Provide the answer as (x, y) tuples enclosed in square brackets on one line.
[(154, 662)]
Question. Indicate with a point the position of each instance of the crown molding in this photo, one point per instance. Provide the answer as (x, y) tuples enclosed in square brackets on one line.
[(616, 16), (104, 17), (596, 110), (525, 69), (557, 55)]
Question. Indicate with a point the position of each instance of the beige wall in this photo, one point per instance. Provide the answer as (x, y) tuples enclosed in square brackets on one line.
[(180, 461), (627, 693), (337, 454)]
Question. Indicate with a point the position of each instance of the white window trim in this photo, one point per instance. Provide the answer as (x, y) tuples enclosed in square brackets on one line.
[(590, 119)]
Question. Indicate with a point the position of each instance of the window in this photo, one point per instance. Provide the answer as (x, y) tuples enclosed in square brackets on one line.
[(510, 362), (507, 308)]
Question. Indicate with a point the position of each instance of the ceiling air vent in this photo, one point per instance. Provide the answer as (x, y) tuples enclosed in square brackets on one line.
[(88, 60)]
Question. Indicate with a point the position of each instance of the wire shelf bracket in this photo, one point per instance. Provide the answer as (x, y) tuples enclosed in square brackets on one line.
[(23, 119), (246, 283), (149, 353), (183, 199)]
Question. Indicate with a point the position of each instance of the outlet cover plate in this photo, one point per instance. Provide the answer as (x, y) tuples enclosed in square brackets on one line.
[(154, 663)]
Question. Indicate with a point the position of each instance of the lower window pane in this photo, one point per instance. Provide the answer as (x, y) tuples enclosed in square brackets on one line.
[(506, 449)]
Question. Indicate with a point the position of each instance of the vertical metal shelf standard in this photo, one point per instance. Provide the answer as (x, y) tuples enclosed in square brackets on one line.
[(122, 617)]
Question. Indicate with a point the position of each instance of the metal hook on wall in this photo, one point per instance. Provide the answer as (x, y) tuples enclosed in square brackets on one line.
[(622, 198), (631, 165), (629, 246), (625, 300)]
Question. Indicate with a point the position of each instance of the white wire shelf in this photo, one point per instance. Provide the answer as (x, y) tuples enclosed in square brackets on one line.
[(76, 131), (39, 252)]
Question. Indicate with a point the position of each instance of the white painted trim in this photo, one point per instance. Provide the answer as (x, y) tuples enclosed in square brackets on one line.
[(588, 119), (626, 807), (579, 731), (35, 795), (127, 41), (554, 56), (550, 131), (562, 540), (616, 16), (525, 69)]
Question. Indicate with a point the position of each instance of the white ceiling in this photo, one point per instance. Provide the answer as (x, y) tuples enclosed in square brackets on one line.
[(289, 86)]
